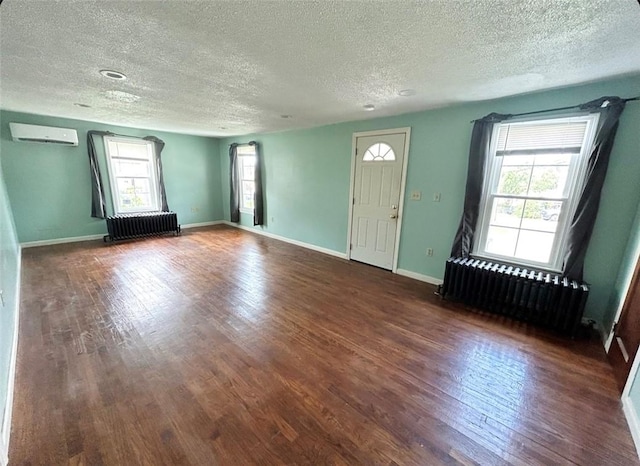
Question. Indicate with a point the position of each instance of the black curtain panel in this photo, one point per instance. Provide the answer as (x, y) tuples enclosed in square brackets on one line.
[(98, 204), (610, 109), (159, 145), (480, 140), (258, 208), (234, 183)]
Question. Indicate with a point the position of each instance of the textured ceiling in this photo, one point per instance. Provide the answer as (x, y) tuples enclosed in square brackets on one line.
[(234, 67)]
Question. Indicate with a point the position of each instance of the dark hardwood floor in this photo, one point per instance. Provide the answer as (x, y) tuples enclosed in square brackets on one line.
[(224, 347)]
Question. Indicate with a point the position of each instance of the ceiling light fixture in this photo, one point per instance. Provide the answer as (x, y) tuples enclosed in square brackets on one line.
[(82, 105), (116, 75), (406, 92), (369, 107)]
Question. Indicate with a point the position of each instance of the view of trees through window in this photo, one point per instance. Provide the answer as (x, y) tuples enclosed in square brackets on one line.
[(519, 181), (133, 181)]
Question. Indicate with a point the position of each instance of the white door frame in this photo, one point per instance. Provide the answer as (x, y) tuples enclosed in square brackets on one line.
[(627, 288), (403, 183), (628, 407)]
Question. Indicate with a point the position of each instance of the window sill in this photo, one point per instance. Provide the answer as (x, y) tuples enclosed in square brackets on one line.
[(513, 263), (246, 211), (129, 212)]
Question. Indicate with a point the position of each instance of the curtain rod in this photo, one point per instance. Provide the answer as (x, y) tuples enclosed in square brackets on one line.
[(241, 143), (99, 132), (557, 109)]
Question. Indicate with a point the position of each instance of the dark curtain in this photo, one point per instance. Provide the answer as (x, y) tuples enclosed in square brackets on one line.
[(234, 183), (98, 205), (258, 207), (480, 139), (159, 145), (587, 210)]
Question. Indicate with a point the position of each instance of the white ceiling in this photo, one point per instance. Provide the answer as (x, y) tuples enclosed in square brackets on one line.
[(200, 66)]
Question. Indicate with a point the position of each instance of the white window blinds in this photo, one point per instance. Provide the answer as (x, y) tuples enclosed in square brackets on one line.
[(530, 138)]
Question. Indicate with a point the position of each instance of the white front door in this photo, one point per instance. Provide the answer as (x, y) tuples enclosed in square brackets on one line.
[(376, 198)]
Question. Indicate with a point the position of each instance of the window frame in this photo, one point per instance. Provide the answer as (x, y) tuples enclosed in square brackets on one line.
[(153, 178), (241, 174), (575, 178)]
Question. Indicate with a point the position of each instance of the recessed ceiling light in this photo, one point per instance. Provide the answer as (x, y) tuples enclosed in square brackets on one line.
[(407, 92), (82, 105), (113, 75), (286, 117), (369, 107)]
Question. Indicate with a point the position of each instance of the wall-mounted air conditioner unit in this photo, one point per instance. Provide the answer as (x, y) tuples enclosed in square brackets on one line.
[(47, 134)]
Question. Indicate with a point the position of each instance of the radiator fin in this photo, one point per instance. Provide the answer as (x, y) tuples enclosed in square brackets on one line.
[(128, 226), (540, 298)]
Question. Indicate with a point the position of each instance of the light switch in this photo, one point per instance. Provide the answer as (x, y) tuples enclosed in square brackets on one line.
[(436, 197)]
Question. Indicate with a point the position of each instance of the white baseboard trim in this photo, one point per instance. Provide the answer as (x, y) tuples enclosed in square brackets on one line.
[(313, 247), (76, 239), (419, 276), (8, 408), (331, 252), (607, 342), (632, 420), (202, 224), (49, 242)]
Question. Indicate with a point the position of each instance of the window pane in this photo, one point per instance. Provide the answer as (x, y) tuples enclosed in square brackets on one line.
[(131, 168), (509, 160), (534, 246), (541, 215), (514, 180), (379, 152), (502, 241), (134, 193), (548, 181), (248, 167), (248, 189), (553, 159), (507, 212)]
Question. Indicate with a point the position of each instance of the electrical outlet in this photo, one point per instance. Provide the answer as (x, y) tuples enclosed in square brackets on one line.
[(429, 252), (195, 209), (416, 195), (436, 197)]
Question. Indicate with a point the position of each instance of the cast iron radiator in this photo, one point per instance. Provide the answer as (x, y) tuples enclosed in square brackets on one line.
[(537, 297), (139, 225)]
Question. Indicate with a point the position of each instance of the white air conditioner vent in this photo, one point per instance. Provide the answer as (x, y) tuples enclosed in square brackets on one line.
[(43, 134)]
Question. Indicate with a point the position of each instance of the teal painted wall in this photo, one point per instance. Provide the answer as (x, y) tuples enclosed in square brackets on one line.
[(307, 181), (50, 189), (9, 267)]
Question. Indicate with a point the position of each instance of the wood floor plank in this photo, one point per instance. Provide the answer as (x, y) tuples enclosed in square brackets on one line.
[(224, 347)]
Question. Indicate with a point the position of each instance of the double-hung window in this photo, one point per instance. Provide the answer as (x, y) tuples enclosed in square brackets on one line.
[(534, 175), (134, 183), (247, 168)]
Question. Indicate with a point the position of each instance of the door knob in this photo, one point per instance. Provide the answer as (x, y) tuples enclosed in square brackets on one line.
[(393, 216)]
